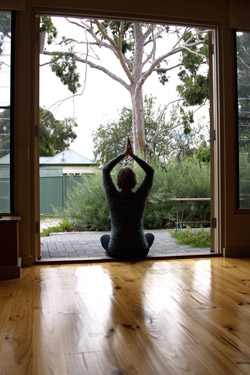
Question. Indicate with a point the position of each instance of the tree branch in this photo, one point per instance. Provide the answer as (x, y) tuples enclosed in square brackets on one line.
[(159, 132), (160, 59), (75, 23), (118, 52), (165, 70), (180, 38), (149, 30), (93, 65), (89, 29), (194, 52), (44, 64), (243, 62), (153, 50), (197, 33), (156, 35)]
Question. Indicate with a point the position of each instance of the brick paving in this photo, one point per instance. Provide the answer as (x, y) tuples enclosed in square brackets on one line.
[(87, 245)]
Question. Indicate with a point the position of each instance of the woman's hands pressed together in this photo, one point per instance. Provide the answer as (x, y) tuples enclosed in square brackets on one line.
[(129, 149)]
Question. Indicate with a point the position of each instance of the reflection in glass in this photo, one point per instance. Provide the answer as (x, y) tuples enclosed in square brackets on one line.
[(5, 160), (5, 84), (5, 58), (243, 88)]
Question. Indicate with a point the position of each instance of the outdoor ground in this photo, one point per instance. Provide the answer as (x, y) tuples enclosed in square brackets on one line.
[(87, 244)]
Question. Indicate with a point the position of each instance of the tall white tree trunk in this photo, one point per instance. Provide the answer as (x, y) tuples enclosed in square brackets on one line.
[(138, 123), (136, 93)]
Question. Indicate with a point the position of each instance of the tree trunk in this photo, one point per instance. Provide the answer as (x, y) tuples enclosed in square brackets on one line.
[(138, 123), (136, 93)]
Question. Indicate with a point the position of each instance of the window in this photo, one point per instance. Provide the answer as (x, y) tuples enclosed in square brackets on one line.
[(6, 142), (243, 117)]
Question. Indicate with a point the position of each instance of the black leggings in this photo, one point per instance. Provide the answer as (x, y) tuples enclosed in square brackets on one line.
[(106, 237)]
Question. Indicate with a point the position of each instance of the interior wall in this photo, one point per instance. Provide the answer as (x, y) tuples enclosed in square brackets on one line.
[(183, 10), (234, 225)]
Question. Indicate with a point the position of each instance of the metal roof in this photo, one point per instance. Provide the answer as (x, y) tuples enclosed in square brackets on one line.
[(66, 157)]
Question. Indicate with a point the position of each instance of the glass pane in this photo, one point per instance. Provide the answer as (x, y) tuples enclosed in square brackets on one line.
[(5, 58), (243, 86), (4, 160), (5, 137)]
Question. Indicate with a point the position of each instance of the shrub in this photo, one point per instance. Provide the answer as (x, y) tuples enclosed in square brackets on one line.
[(159, 210), (197, 238), (86, 206), (183, 179)]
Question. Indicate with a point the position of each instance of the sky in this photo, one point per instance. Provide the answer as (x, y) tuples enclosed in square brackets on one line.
[(102, 98)]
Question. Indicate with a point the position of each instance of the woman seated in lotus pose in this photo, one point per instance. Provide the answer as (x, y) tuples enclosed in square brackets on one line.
[(127, 238)]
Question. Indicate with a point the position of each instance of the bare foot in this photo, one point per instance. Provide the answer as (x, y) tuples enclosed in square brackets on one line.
[(106, 253)]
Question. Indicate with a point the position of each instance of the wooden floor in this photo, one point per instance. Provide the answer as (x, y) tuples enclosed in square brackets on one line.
[(165, 317)]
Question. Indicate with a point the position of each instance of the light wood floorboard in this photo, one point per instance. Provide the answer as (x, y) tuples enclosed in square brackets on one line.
[(189, 316)]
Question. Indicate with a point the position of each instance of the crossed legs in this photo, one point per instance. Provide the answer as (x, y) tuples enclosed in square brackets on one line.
[(106, 237)]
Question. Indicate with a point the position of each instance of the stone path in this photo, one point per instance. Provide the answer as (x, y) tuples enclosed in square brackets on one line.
[(87, 245)]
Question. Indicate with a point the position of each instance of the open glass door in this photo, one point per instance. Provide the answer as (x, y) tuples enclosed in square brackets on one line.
[(37, 250), (242, 41), (177, 141), (213, 140)]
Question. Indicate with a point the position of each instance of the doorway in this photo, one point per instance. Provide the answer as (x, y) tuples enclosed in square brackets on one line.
[(65, 78)]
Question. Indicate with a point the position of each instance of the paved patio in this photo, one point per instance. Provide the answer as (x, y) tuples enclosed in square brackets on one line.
[(87, 245)]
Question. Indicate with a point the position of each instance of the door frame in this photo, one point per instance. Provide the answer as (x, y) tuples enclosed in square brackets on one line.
[(215, 174)]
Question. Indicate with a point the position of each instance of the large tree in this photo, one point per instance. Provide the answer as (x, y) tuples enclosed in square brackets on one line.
[(55, 135), (109, 137), (136, 47)]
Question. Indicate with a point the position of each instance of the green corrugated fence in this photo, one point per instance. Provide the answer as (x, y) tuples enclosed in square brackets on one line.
[(54, 190), (4, 190)]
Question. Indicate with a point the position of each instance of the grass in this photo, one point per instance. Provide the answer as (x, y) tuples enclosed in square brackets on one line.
[(64, 226), (199, 238)]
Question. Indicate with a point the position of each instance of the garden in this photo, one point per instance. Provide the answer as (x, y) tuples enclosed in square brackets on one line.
[(86, 208), (170, 136)]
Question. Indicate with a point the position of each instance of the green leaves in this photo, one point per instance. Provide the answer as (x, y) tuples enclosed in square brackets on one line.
[(64, 65), (195, 89), (109, 139), (48, 26), (203, 154), (114, 28), (55, 135), (195, 86), (194, 238)]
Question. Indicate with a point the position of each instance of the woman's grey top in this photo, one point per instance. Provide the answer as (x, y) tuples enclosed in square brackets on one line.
[(127, 234)]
